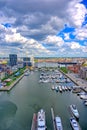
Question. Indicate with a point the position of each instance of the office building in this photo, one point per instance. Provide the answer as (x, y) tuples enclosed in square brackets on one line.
[(27, 62), (12, 59)]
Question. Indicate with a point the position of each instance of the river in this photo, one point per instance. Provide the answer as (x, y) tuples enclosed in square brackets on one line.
[(28, 96)]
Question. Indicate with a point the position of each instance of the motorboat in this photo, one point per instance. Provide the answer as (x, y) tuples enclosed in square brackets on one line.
[(74, 110), (56, 88), (58, 123), (41, 123), (84, 97), (74, 124), (85, 102), (53, 87), (60, 88)]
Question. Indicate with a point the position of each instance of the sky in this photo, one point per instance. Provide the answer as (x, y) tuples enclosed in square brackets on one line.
[(43, 28)]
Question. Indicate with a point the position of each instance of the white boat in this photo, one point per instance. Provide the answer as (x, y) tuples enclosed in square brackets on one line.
[(58, 123), (63, 88), (84, 97), (26, 73), (56, 88), (66, 88), (74, 110), (85, 102), (41, 123), (53, 87), (74, 124), (60, 88)]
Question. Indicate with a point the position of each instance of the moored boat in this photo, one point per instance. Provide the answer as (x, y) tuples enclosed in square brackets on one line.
[(74, 111), (60, 88), (74, 124), (58, 123), (53, 87), (41, 123), (85, 102), (56, 88)]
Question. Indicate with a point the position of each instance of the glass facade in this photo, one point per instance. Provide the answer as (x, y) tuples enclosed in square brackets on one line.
[(12, 59)]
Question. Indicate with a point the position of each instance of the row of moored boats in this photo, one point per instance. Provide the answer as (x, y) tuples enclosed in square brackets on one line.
[(61, 88), (41, 120)]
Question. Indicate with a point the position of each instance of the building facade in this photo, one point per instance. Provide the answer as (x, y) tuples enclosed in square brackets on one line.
[(83, 72), (27, 62), (12, 59)]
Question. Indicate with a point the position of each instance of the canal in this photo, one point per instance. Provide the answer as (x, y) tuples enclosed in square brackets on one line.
[(28, 96)]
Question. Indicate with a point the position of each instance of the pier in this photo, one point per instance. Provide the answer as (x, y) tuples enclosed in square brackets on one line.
[(34, 122), (53, 118)]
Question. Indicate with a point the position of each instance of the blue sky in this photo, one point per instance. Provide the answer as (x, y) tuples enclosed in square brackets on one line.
[(51, 28)]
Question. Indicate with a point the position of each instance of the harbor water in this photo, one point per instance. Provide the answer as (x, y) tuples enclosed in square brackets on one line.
[(29, 96)]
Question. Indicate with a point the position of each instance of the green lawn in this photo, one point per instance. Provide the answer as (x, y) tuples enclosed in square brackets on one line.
[(64, 69)]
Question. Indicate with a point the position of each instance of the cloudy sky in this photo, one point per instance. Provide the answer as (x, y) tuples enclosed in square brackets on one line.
[(43, 28)]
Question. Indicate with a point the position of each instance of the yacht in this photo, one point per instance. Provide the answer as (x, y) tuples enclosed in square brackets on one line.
[(41, 124), (74, 110), (74, 124), (58, 123)]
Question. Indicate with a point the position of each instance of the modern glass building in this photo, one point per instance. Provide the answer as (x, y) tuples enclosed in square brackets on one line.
[(13, 59), (26, 61)]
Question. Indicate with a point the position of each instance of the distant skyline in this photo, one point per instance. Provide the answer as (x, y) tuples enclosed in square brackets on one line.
[(43, 28)]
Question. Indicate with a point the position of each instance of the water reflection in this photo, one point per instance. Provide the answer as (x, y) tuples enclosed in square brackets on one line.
[(7, 112)]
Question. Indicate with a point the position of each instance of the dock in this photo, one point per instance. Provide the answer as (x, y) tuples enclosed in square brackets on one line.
[(34, 122), (53, 118)]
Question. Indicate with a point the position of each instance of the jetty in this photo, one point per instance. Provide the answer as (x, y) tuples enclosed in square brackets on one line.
[(53, 118), (34, 122)]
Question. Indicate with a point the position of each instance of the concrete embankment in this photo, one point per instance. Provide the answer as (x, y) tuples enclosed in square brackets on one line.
[(7, 88), (72, 79)]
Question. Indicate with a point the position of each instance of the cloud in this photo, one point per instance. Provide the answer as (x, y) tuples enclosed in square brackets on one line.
[(36, 23), (81, 33), (76, 13), (75, 45), (52, 39)]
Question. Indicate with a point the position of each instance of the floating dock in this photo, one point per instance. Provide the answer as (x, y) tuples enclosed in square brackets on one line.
[(34, 122), (53, 118)]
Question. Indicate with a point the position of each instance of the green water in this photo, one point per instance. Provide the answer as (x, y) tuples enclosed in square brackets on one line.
[(28, 96)]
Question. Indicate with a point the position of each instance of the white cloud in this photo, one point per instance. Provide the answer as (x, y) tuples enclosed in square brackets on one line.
[(81, 33), (52, 39), (84, 49), (75, 45), (6, 19), (16, 37), (76, 13)]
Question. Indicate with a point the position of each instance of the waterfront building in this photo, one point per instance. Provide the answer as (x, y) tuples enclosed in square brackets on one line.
[(12, 59), (74, 68), (83, 72), (32, 61), (27, 62)]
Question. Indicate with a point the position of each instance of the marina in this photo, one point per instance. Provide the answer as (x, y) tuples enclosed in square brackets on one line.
[(29, 96)]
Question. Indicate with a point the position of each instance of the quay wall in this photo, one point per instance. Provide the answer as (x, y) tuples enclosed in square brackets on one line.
[(7, 88), (72, 79), (79, 82)]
